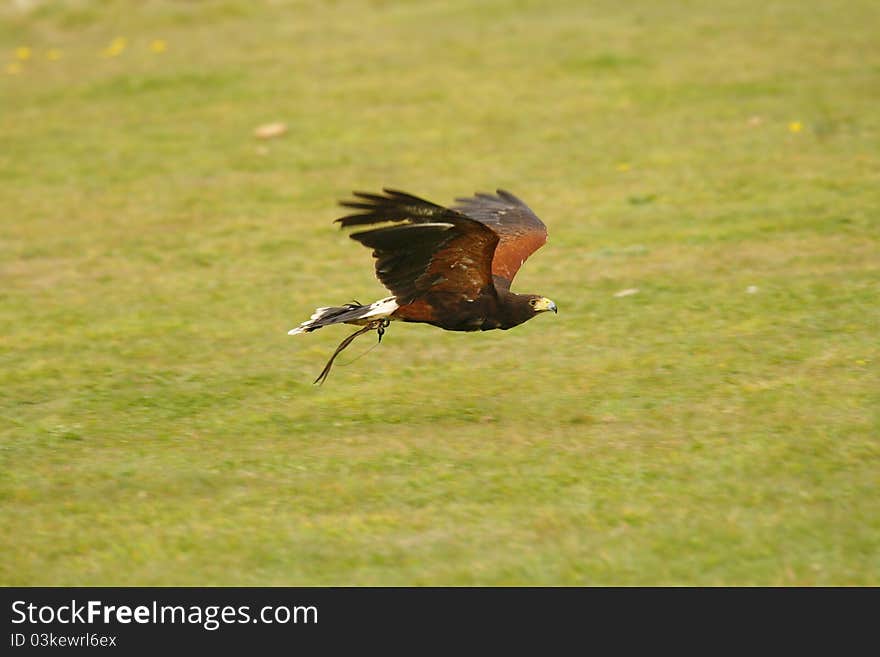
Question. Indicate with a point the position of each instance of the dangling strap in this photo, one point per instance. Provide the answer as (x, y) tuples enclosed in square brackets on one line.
[(326, 371)]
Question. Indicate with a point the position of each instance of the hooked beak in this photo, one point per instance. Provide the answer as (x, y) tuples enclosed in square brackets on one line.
[(545, 304)]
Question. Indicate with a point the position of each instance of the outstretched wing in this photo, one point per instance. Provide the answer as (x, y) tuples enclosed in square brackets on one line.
[(428, 248), (520, 231)]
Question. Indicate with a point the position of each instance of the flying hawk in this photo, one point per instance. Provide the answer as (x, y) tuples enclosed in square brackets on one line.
[(450, 267)]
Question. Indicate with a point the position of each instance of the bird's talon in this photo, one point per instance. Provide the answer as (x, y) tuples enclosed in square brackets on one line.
[(380, 327)]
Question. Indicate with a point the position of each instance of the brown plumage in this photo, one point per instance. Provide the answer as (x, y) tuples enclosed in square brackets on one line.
[(449, 267)]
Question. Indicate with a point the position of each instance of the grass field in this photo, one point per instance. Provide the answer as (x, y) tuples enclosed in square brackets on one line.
[(719, 426)]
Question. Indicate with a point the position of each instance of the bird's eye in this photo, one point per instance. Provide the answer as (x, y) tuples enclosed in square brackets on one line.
[(533, 303)]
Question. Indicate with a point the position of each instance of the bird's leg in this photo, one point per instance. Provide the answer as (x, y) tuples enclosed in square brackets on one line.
[(382, 325)]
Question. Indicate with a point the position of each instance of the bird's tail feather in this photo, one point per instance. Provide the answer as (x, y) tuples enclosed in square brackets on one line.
[(350, 313), (329, 315)]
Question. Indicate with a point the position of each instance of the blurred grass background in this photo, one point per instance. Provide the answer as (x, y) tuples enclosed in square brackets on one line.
[(719, 426)]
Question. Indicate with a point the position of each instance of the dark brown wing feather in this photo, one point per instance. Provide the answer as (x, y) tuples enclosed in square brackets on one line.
[(428, 249), (520, 231)]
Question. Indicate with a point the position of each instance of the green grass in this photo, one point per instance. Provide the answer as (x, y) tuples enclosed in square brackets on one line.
[(158, 426)]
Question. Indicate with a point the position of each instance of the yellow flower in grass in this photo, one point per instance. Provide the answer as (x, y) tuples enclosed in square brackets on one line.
[(53, 54), (116, 47), (623, 166), (23, 53), (795, 126), (158, 46)]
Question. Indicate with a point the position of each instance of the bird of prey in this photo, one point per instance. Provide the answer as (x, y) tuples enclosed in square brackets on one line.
[(447, 266)]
